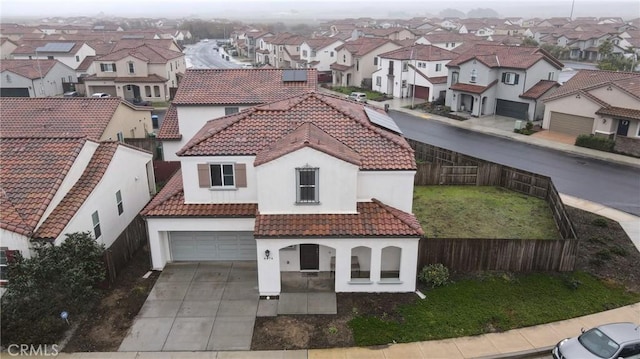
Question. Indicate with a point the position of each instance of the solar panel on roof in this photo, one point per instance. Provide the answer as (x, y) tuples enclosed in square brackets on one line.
[(382, 120), (132, 36), (56, 47), (294, 75)]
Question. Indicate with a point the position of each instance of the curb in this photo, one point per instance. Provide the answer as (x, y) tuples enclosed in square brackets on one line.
[(525, 354)]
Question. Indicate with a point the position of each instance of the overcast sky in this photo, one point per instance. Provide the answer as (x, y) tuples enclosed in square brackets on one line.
[(273, 9)]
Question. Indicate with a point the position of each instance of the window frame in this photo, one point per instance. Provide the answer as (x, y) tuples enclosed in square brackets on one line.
[(438, 67), (95, 220), (315, 185), (474, 76), (378, 80), (222, 184), (5, 265), (231, 110), (405, 66), (119, 203), (131, 67), (510, 78), (455, 77)]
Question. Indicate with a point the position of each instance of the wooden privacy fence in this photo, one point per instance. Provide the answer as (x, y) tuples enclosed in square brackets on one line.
[(438, 166), (125, 246)]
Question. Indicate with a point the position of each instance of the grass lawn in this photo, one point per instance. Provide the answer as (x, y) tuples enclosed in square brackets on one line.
[(371, 95), (493, 303), (482, 212)]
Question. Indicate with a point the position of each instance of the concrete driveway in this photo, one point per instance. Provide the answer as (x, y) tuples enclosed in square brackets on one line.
[(198, 306)]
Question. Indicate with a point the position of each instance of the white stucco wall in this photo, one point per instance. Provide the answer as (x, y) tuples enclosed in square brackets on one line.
[(158, 229), (194, 194), (394, 188), (126, 173), (277, 184), (16, 242), (615, 97), (269, 269)]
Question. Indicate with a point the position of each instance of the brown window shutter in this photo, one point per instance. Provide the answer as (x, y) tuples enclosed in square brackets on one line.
[(203, 175), (241, 175)]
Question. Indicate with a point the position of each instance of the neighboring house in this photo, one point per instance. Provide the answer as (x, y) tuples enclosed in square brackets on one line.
[(358, 59), (445, 40), (584, 45), (309, 183), (596, 102), (59, 178), (417, 69), (35, 78), (145, 72), (391, 33), (70, 53), (319, 53), (6, 48), (182, 35), (556, 22), (204, 95), (103, 119), (502, 80), (284, 50), (255, 46)]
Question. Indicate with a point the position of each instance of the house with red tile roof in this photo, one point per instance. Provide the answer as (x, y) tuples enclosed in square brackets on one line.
[(311, 182), (358, 59), (319, 53), (502, 80), (34, 78), (70, 53), (597, 102), (207, 94), (417, 70), (6, 48), (146, 72)]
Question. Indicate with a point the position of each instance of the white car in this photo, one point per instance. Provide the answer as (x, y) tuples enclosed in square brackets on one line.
[(100, 94), (358, 96)]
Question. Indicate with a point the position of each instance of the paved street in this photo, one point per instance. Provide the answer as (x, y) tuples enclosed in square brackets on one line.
[(595, 180), (202, 55)]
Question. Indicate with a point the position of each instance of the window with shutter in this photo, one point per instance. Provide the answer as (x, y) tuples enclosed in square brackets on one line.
[(222, 175)]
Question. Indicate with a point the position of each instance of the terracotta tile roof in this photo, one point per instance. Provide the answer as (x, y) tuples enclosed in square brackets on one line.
[(363, 45), (239, 86), (447, 36), (28, 68), (420, 52), (374, 219), (245, 133), (31, 172), (28, 47), (516, 57), (438, 80), (585, 80), (337, 66), (86, 63), (472, 88), (170, 203), (307, 135), (539, 89), (148, 53), (56, 117), (134, 43), (628, 113), (55, 223), (381, 32), (321, 42), (170, 129)]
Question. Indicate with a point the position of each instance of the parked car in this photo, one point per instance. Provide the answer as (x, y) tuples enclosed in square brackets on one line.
[(358, 96), (71, 94), (100, 94), (138, 102), (615, 340)]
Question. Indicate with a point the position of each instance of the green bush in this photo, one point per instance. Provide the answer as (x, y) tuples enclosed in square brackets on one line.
[(603, 254), (595, 142), (56, 279), (600, 222), (434, 275), (619, 250)]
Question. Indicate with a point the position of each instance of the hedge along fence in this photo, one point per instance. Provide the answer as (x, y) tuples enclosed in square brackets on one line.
[(438, 166)]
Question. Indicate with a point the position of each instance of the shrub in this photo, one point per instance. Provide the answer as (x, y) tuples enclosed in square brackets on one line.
[(595, 142), (619, 250), (434, 275), (600, 222), (56, 279), (571, 282), (603, 254)]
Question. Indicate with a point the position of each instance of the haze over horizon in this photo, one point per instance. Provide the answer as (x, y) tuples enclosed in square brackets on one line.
[(286, 10)]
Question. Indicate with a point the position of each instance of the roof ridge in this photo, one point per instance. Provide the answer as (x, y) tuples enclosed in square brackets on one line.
[(395, 213)]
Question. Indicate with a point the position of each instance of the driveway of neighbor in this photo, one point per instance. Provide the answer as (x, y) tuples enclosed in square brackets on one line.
[(198, 306)]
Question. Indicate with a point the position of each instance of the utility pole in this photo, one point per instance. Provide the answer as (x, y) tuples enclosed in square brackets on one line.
[(573, 3)]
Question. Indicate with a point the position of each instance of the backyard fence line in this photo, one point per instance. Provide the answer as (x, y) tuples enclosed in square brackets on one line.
[(124, 247)]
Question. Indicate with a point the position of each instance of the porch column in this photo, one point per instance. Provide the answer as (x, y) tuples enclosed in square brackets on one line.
[(343, 269), (376, 264), (268, 268)]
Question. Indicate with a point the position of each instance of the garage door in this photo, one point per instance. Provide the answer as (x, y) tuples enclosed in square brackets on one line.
[(422, 92), (111, 90), (14, 92), (512, 109), (570, 124), (212, 246)]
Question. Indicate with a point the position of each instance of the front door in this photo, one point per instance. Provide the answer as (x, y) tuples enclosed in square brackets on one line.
[(623, 127), (309, 257)]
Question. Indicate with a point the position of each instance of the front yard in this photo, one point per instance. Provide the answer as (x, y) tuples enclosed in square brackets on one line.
[(482, 212)]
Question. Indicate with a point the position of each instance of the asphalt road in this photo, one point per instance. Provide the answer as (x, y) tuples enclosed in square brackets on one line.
[(607, 183), (203, 55)]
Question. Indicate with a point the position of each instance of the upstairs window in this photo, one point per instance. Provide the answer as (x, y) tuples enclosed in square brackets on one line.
[(510, 78), (474, 76), (132, 68), (438, 67), (304, 53), (307, 185), (95, 218), (551, 76), (119, 203), (231, 110), (108, 67), (375, 61), (3, 264), (405, 66), (222, 175), (454, 77)]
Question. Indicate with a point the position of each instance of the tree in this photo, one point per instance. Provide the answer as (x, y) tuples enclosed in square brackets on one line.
[(58, 278), (557, 51), (529, 41), (616, 63), (451, 13), (605, 49)]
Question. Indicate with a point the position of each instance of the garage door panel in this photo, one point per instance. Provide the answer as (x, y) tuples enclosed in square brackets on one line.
[(570, 124), (14, 92), (212, 246), (513, 109)]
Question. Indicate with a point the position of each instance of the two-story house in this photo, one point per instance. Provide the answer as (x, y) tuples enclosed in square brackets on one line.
[(146, 72), (207, 94), (502, 80), (34, 78), (284, 50), (417, 70), (60, 177), (358, 59), (70, 53), (319, 53), (391, 33), (311, 183)]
